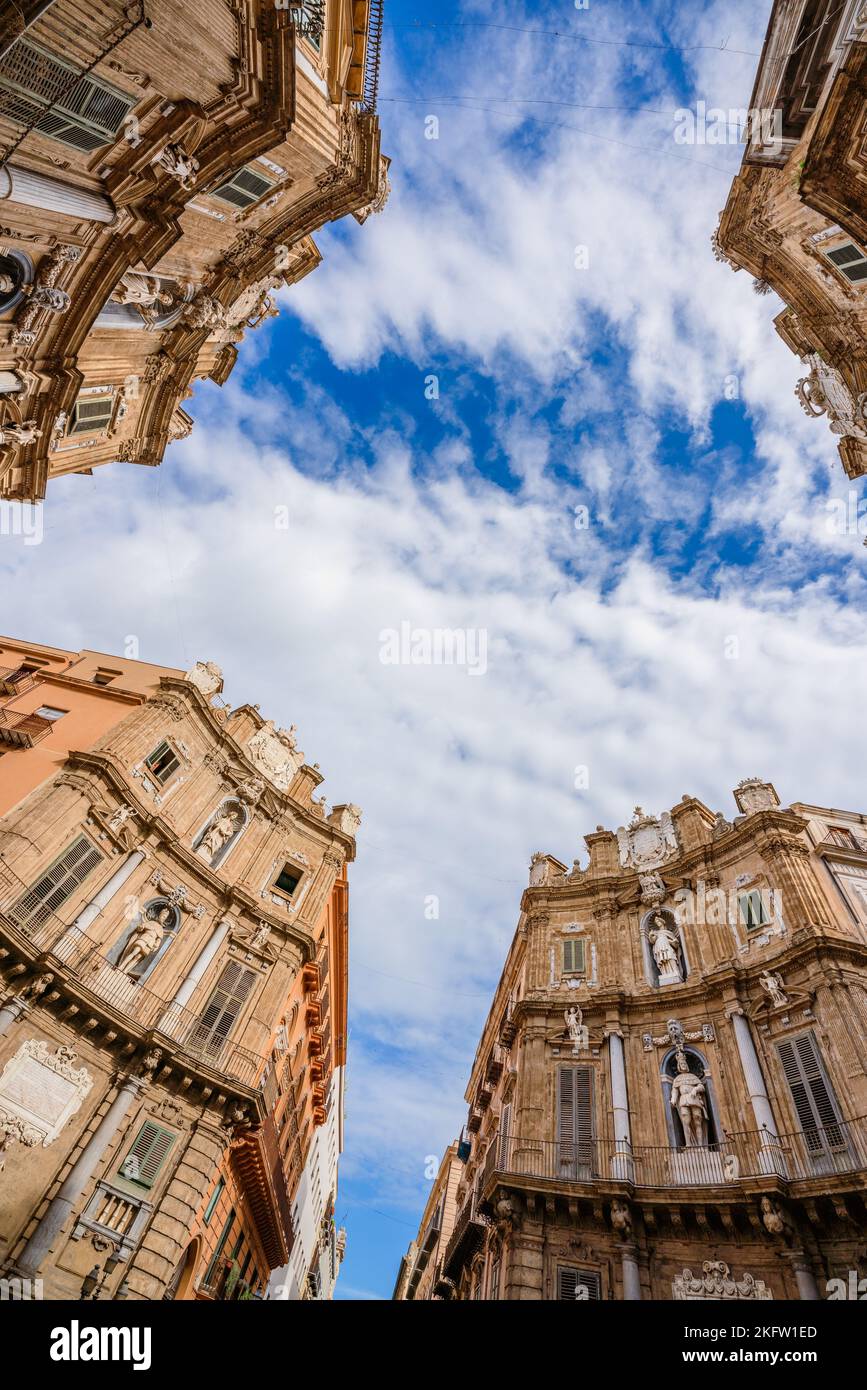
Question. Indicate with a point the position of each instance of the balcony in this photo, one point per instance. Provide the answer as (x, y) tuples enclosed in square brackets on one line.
[(793, 1158), (14, 680), (23, 730), (426, 1247), (467, 1236)]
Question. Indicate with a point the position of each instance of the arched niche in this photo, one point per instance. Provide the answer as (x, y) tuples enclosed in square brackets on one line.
[(647, 927), (145, 302), (158, 915), (216, 838), (16, 274), (698, 1066), (181, 1283)]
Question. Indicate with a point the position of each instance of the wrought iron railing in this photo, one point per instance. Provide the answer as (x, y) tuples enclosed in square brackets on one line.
[(372, 54), (838, 1148), (83, 961)]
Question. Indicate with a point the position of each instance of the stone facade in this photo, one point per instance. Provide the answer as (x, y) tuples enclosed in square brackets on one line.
[(669, 1094), (162, 168), (796, 216), (173, 946)]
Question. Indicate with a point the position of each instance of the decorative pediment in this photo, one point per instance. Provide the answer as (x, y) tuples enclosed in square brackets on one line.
[(206, 676), (647, 842), (716, 1282), (752, 794)]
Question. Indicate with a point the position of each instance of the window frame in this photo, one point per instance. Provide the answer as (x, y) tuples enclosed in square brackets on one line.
[(105, 134), (275, 887), (76, 426), (749, 896), (147, 763), (858, 258), (569, 946), (161, 1135), (252, 201)]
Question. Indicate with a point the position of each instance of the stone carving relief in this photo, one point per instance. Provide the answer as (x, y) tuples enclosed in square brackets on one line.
[(346, 818), (677, 1036), (146, 294), (40, 1091), (275, 752), (45, 294), (772, 983), (380, 198), (752, 794), (716, 1283), (176, 162), (647, 842), (204, 311), (824, 392), (206, 676)]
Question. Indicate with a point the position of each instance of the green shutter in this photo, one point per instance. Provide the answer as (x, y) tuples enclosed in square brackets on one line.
[(147, 1155), (573, 957), (812, 1097)]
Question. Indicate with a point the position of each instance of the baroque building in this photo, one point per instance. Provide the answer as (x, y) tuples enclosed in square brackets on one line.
[(796, 216), (162, 167), (173, 987), (668, 1099)]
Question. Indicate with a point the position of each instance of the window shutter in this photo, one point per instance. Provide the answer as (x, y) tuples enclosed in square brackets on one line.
[(244, 188), (92, 413), (222, 1009), (573, 957), (58, 884), (147, 1155), (812, 1097), (575, 1128), (76, 108), (505, 1132), (570, 1280)]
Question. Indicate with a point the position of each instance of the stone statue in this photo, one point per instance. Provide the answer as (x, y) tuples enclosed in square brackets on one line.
[(665, 952), (23, 434), (144, 939), (689, 1099), (177, 162), (774, 1219), (772, 984), (144, 293), (261, 934), (621, 1218), (218, 834)]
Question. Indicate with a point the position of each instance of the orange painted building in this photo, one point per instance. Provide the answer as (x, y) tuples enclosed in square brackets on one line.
[(53, 701)]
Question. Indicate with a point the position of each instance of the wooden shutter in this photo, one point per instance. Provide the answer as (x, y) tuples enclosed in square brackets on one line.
[(505, 1133), (575, 1127), (76, 108), (244, 188), (147, 1155), (56, 885), (92, 413), (573, 957), (569, 1281), (222, 1009), (813, 1099)]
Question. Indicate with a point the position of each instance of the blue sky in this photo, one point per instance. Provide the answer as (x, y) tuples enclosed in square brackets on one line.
[(706, 623)]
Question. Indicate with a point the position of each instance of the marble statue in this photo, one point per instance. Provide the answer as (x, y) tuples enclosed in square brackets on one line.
[(218, 834), (144, 939), (772, 984), (144, 293), (177, 162), (664, 945), (25, 433), (689, 1099)]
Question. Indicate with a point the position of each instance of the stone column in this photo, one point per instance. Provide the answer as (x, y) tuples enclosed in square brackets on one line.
[(61, 1206), (12, 1010), (35, 190), (185, 989), (771, 1157), (621, 1161), (9, 383), (631, 1277), (807, 1287), (64, 947), (524, 1267)]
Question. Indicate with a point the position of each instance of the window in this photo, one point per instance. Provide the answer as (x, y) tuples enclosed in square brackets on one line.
[(243, 189), (752, 908), (849, 261), (842, 837), (575, 1122), (91, 413), (287, 880), (215, 1197), (222, 1009), (211, 1272), (162, 763), (573, 957), (56, 885), (103, 677), (148, 1154), (578, 1285), (494, 1281), (814, 1101), (62, 102), (48, 712)]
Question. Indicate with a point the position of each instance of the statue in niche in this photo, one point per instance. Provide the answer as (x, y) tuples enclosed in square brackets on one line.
[(772, 984), (689, 1099), (575, 1027), (218, 834), (144, 939), (665, 951), (144, 293)]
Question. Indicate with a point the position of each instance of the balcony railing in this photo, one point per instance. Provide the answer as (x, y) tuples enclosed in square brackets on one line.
[(370, 89), (839, 1148), (22, 730), (14, 680), (82, 960)]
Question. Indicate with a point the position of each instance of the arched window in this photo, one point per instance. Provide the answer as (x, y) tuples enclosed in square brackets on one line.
[(219, 834), (146, 939)]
